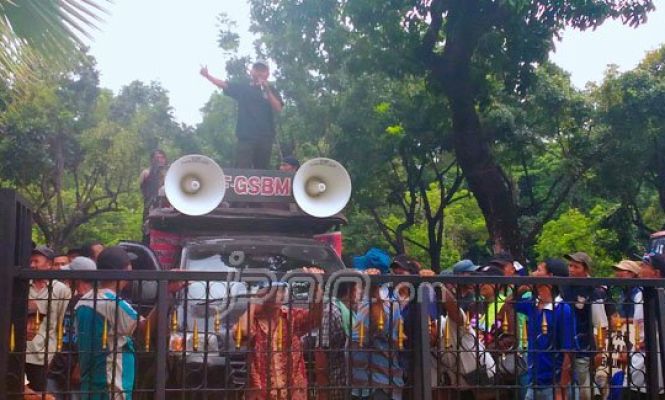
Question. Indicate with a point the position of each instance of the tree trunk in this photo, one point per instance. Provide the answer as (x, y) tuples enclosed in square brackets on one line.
[(485, 178)]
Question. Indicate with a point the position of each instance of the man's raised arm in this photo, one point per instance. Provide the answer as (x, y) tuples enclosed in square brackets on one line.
[(217, 82)]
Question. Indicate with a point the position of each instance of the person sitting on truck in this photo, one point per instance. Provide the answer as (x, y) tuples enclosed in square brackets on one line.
[(276, 365)]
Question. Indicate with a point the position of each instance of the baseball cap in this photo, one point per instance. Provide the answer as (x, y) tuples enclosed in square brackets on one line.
[(657, 261), (489, 270), (261, 62), (556, 267), (500, 259), (463, 266), (80, 264), (406, 263), (113, 258), (291, 161), (44, 251), (580, 257), (628, 265)]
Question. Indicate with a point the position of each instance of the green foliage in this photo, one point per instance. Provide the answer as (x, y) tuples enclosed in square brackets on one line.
[(575, 231), (215, 135), (43, 34), (110, 228), (75, 152)]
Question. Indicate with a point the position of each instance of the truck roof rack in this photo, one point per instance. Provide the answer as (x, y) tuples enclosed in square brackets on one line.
[(259, 218)]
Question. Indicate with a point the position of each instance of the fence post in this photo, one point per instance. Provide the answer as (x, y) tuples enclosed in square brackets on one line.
[(15, 247), (162, 339), (422, 384), (651, 342), (660, 312)]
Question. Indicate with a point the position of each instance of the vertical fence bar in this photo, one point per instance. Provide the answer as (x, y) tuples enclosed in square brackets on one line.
[(651, 340), (162, 336), (422, 383), (660, 313)]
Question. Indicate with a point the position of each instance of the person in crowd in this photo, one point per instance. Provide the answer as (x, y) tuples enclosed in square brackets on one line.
[(631, 302), (652, 267), (463, 362), (491, 312), (152, 179), (466, 293), (289, 164), (610, 374), (63, 372), (92, 250), (257, 101), (375, 347), (405, 294), (47, 302), (336, 333), (589, 311), (60, 261), (549, 335), (105, 324), (276, 366)]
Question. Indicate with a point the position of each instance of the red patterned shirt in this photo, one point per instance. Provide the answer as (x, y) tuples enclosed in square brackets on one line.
[(276, 363)]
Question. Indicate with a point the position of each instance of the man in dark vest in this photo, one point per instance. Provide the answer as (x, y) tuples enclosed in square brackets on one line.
[(257, 101)]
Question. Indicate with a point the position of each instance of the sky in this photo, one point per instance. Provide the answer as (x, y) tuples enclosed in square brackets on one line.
[(167, 41)]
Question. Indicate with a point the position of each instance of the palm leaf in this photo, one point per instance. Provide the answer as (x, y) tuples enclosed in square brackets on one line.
[(43, 32)]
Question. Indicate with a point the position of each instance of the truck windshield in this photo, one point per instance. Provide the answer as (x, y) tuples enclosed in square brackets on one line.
[(227, 257)]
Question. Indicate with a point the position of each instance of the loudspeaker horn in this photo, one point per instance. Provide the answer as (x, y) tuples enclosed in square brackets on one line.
[(322, 187), (194, 184)]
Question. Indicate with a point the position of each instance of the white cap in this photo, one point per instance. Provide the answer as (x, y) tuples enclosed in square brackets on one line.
[(80, 264)]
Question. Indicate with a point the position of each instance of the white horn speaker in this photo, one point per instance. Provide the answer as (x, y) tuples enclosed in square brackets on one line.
[(322, 187), (194, 184)]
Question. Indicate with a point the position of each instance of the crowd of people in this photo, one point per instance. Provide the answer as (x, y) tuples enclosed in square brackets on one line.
[(487, 340)]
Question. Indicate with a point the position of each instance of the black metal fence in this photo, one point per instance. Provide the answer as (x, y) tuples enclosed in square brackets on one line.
[(253, 335)]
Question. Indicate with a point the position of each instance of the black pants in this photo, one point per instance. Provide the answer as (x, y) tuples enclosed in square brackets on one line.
[(254, 153), (36, 375)]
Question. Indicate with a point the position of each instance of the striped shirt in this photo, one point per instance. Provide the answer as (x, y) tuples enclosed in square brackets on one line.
[(107, 365), (375, 364)]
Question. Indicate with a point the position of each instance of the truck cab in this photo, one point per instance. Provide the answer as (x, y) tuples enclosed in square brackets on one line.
[(247, 243)]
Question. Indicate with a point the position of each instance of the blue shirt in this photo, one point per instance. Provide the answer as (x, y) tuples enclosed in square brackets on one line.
[(546, 350)]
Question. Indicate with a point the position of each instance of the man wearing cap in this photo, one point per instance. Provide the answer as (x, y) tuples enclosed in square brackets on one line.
[(588, 308), (47, 302), (62, 372), (610, 376), (257, 101), (105, 326), (467, 295)]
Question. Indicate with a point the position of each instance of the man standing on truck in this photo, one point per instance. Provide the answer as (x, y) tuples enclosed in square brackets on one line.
[(150, 180), (257, 101)]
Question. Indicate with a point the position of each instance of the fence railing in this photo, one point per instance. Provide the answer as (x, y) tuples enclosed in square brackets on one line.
[(257, 335)]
